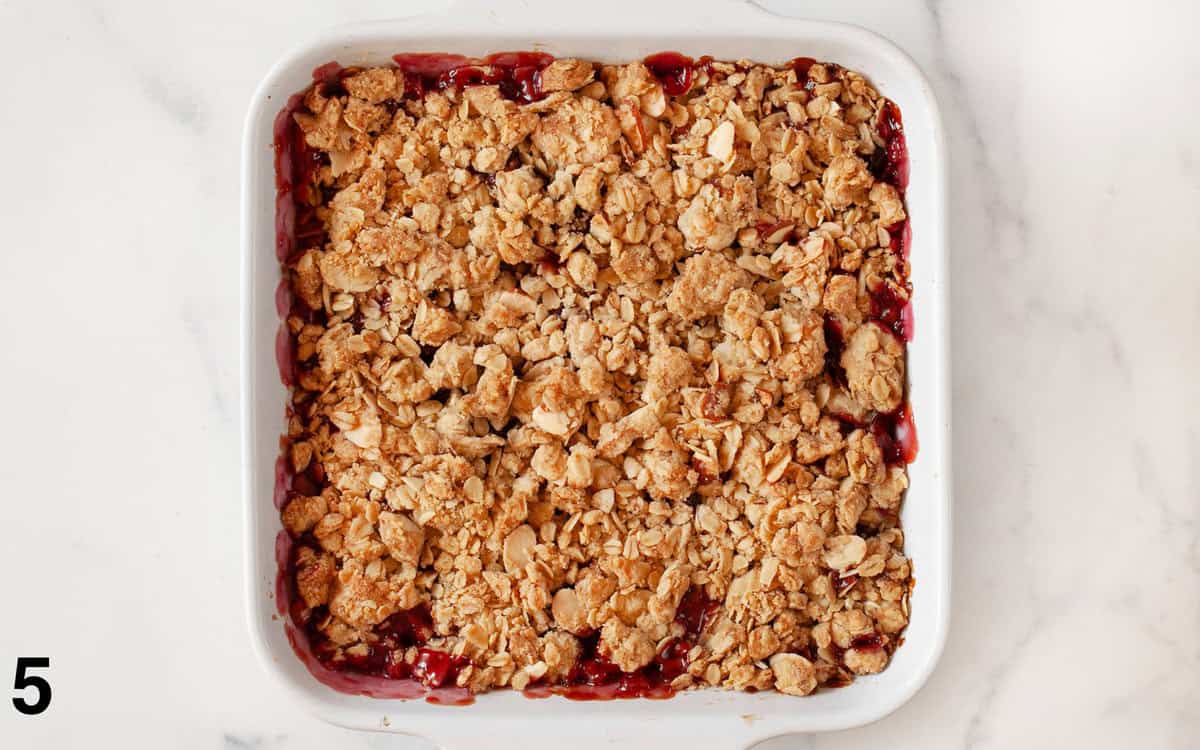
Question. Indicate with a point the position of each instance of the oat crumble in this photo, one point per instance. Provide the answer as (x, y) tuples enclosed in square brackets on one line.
[(588, 375)]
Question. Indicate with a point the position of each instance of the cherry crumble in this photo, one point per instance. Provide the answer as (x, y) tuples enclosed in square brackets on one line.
[(597, 375)]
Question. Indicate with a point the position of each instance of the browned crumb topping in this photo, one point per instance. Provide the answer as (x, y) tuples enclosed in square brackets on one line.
[(565, 360)]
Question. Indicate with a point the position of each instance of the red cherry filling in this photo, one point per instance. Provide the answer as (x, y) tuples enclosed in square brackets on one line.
[(421, 71), (867, 642), (835, 344), (329, 77), (285, 356), (890, 164), (594, 677), (311, 481), (296, 225), (396, 668), (896, 435), (801, 66), (372, 662), (894, 432), (887, 308), (673, 70), (412, 627), (435, 668), (385, 657), (695, 610), (428, 65), (900, 235), (516, 74), (672, 660), (451, 697)]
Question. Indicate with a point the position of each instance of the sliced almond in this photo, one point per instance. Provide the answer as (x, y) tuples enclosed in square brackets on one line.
[(720, 141), (518, 548), (846, 551), (568, 611)]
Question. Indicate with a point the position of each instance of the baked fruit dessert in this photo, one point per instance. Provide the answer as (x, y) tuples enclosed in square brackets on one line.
[(597, 373)]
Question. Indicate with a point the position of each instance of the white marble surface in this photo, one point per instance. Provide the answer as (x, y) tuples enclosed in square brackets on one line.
[(1076, 182)]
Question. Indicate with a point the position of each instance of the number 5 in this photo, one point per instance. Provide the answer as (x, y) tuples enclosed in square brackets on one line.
[(22, 681)]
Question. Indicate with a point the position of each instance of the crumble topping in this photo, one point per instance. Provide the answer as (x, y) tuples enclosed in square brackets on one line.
[(592, 378)]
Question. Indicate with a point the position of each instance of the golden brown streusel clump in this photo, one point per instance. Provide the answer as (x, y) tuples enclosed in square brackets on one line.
[(566, 360)]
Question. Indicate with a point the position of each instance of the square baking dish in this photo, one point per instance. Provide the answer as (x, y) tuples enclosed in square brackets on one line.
[(613, 32)]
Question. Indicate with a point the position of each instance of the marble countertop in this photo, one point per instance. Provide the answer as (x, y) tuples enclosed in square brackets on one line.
[(1075, 175)]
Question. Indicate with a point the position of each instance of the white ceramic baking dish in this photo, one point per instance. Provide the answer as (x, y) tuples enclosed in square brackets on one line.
[(615, 30)]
